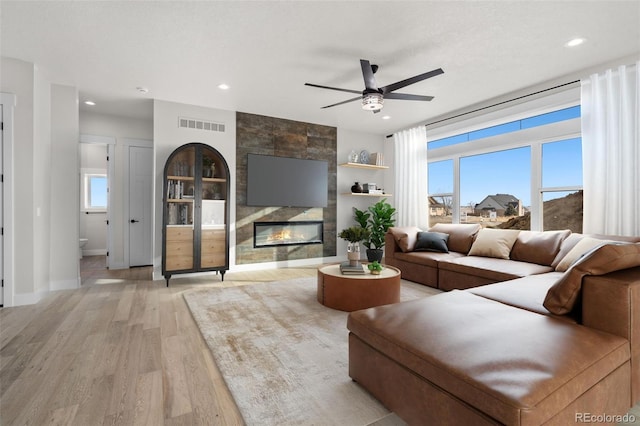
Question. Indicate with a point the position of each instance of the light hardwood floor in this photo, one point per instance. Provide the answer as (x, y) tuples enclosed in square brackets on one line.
[(122, 349)]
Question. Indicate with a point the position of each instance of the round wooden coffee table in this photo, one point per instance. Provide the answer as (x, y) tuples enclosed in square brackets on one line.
[(354, 292)]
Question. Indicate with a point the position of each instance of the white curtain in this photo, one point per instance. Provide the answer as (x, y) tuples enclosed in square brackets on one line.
[(611, 151), (410, 168)]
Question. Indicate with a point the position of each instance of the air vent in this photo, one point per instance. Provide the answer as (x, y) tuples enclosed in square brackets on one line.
[(197, 124)]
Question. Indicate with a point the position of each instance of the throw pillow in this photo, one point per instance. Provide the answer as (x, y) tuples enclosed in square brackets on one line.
[(432, 241), (538, 247), (583, 246), (460, 235), (405, 236), (494, 243), (562, 296)]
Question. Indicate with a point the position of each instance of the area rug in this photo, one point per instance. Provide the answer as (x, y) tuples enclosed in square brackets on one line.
[(283, 355)]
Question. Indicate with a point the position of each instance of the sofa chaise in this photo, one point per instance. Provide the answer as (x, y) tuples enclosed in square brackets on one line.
[(533, 328)]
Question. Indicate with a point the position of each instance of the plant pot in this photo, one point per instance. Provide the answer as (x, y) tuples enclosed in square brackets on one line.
[(353, 253), (375, 272), (374, 254)]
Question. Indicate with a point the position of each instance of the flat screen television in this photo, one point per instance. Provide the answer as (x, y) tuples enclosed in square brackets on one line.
[(286, 182)]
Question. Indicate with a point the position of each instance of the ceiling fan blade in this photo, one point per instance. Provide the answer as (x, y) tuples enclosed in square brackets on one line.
[(343, 102), (400, 84), (333, 88), (407, 97), (367, 74)]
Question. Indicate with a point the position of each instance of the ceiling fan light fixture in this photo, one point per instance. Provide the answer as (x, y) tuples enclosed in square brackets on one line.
[(372, 101)]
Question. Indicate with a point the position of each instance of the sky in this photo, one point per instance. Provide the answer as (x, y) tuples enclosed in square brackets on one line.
[(509, 171)]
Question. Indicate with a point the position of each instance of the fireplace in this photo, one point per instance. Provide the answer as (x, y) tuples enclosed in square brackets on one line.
[(272, 234)]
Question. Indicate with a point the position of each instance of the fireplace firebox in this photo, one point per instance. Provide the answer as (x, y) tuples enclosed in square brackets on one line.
[(273, 234)]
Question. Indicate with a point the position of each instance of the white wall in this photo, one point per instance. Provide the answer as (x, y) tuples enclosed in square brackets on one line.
[(351, 140), (93, 226), (119, 128), (63, 186), (31, 148), (167, 136)]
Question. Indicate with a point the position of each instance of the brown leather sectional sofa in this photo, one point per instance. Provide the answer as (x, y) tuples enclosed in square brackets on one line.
[(515, 340)]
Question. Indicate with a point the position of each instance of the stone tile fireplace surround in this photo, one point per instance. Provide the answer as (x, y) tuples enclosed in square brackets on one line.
[(256, 134)]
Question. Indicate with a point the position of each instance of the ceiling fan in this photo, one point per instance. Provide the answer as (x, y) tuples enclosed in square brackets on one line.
[(373, 96)]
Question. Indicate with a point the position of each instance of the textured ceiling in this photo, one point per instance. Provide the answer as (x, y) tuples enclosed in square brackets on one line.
[(266, 51)]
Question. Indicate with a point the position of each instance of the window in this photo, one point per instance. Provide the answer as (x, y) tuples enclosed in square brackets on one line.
[(94, 190), (440, 192), (495, 187), (562, 185), (522, 174)]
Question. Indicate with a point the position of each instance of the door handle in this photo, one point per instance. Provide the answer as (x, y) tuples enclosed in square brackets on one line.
[(134, 221)]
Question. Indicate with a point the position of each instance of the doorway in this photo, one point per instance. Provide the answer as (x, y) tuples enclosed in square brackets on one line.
[(96, 175)]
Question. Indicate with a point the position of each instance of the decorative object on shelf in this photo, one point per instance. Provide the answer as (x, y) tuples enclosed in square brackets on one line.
[(356, 188), (377, 220), (353, 157), (368, 187), (354, 235), (375, 267), (376, 159), (364, 156), (208, 167)]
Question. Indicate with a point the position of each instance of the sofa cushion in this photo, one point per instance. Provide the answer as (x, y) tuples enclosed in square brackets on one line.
[(461, 235), (405, 236), (427, 258), (538, 247), (432, 241), (494, 243), (524, 293), (562, 296), (491, 268), (573, 239), (516, 366), (585, 245)]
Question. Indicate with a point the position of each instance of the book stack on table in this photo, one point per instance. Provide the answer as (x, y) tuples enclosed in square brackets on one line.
[(347, 269)]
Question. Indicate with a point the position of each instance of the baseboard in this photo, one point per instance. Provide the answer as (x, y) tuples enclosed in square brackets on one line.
[(22, 299), (285, 264), (157, 271), (94, 252), (64, 285)]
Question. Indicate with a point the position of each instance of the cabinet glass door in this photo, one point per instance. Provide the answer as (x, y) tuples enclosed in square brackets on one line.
[(213, 219), (181, 193)]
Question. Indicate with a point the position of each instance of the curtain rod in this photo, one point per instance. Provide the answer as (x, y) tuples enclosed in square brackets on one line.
[(499, 103)]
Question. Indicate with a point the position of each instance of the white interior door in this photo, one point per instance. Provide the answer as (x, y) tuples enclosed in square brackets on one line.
[(140, 206)]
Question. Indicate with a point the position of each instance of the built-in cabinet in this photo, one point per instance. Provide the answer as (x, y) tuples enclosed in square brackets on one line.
[(195, 229)]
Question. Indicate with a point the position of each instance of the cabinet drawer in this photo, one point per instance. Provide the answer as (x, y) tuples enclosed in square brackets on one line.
[(213, 259), (213, 250), (179, 255), (179, 263), (213, 234), (181, 233)]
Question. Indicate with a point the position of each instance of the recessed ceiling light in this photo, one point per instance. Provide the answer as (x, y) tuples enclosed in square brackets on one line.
[(89, 103), (386, 117), (575, 42), (142, 89), (223, 86)]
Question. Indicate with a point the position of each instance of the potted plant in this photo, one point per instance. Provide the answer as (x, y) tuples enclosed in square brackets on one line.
[(375, 267), (354, 235), (377, 219)]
